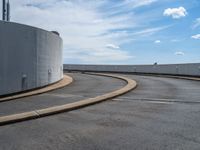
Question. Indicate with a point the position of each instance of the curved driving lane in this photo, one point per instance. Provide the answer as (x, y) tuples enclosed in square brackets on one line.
[(84, 86), (159, 114), (165, 89)]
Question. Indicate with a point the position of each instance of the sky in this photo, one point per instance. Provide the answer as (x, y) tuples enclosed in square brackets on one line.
[(118, 31)]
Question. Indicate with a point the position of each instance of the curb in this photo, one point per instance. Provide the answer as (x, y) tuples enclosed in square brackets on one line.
[(177, 77), (62, 83), (185, 78), (131, 84)]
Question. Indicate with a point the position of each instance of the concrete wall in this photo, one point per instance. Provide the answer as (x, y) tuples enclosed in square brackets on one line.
[(29, 57), (175, 69)]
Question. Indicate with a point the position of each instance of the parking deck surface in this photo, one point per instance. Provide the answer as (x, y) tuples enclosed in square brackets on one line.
[(161, 113)]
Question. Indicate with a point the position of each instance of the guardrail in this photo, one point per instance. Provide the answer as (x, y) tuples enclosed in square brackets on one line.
[(168, 69)]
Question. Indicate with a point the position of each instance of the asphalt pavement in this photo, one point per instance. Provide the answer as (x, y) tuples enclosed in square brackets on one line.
[(160, 114), (84, 86)]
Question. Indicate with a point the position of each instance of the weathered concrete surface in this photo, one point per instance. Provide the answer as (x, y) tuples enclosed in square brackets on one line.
[(84, 87), (17, 117), (29, 57), (174, 69), (60, 84), (132, 121)]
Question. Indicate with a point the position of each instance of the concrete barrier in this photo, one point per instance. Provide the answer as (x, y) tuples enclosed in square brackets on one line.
[(171, 69), (29, 58)]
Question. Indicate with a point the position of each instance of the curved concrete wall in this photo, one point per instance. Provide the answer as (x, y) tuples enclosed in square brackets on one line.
[(29, 58), (173, 69)]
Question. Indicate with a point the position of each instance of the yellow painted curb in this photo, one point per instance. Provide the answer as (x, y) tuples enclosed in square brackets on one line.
[(62, 83), (131, 84)]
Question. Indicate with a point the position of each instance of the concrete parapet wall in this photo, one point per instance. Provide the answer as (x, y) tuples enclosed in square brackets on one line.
[(29, 58), (172, 69)]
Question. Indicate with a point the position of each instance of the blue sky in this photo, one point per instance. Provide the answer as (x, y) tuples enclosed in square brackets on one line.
[(118, 31)]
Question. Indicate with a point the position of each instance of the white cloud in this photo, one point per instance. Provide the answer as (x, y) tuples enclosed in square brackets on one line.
[(176, 13), (139, 3), (81, 25), (157, 41), (129, 4), (98, 58), (179, 53), (149, 31), (112, 46), (92, 30), (196, 23), (197, 37)]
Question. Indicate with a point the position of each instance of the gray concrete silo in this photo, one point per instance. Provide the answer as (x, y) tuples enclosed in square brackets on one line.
[(29, 58)]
